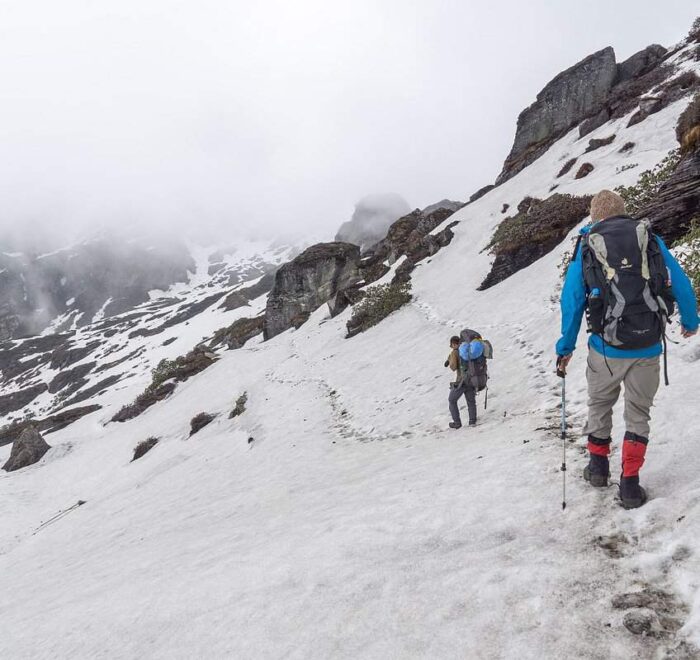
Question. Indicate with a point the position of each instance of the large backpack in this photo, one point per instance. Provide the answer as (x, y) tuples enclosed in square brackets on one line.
[(629, 298), (473, 354)]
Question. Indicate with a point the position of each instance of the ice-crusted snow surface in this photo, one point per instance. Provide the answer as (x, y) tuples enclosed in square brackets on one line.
[(338, 517)]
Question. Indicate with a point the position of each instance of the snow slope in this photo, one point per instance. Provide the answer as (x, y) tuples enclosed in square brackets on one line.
[(337, 517)]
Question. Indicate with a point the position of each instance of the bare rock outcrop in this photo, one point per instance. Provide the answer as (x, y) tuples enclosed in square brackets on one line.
[(307, 282), (28, 449), (574, 95), (537, 228), (677, 202)]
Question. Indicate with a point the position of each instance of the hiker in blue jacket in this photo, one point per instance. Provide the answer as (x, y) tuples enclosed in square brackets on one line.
[(610, 278)]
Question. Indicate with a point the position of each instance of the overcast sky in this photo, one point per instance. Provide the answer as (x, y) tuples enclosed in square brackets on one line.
[(277, 114)]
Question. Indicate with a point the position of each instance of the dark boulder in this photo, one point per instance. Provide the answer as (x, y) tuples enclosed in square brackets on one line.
[(307, 282), (584, 170), (640, 63), (447, 204), (574, 95), (27, 450), (481, 192), (598, 143)]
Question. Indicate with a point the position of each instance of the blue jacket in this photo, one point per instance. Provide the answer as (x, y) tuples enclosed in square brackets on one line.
[(573, 304)]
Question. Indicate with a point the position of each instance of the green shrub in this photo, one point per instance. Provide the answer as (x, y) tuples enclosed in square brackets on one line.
[(644, 191), (688, 253), (379, 301)]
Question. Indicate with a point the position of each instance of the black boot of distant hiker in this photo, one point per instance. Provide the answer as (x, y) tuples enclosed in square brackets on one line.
[(455, 425), (597, 471), (632, 495)]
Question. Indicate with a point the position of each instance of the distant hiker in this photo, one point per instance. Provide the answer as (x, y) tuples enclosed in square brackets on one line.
[(625, 279), (468, 359)]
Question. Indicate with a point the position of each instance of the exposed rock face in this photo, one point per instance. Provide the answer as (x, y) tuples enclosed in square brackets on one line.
[(446, 204), (17, 400), (481, 192), (27, 450), (593, 92), (372, 217), (584, 170), (242, 297), (11, 432), (238, 333), (537, 229), (640, 63), (678, 200), (409, 236), (308, 281), (111, 275), (574, 95)]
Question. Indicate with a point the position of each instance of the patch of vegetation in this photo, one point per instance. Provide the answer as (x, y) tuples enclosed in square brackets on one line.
[(624, 168), (539, 222), (198, 422), (239, 409), (628, 146), (163, 379), (639, 195), (687, 251), (144, 447), (379, 301)]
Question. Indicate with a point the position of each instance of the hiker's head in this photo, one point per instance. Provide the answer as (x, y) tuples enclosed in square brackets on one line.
[(454, 342), (606, 204)]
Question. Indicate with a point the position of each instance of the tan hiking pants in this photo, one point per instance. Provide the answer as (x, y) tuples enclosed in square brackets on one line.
[(640, 377)]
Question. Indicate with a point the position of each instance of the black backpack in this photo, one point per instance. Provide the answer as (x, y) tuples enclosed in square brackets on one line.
[(629, 300)]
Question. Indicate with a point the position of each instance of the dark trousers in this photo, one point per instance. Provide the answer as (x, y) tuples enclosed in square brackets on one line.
[(455, 395)]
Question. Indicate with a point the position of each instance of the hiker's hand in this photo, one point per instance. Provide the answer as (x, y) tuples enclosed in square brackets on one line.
[(688, 333), (447, 363), (562, 364)]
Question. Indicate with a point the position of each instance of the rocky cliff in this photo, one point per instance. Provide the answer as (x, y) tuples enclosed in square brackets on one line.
[(307, 282), (591, 93)]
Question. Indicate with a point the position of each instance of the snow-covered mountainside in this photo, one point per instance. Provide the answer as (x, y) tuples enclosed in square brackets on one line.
[(325, 510)]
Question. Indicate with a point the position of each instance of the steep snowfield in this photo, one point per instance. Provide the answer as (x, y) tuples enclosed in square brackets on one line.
[(338, 517)]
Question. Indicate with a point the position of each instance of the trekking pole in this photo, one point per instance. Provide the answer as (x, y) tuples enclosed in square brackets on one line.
[(562, 374)]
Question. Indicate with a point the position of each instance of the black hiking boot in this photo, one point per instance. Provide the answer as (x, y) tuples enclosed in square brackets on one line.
[(632, 495), (472, 423), (597, 471), (455, 425)]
